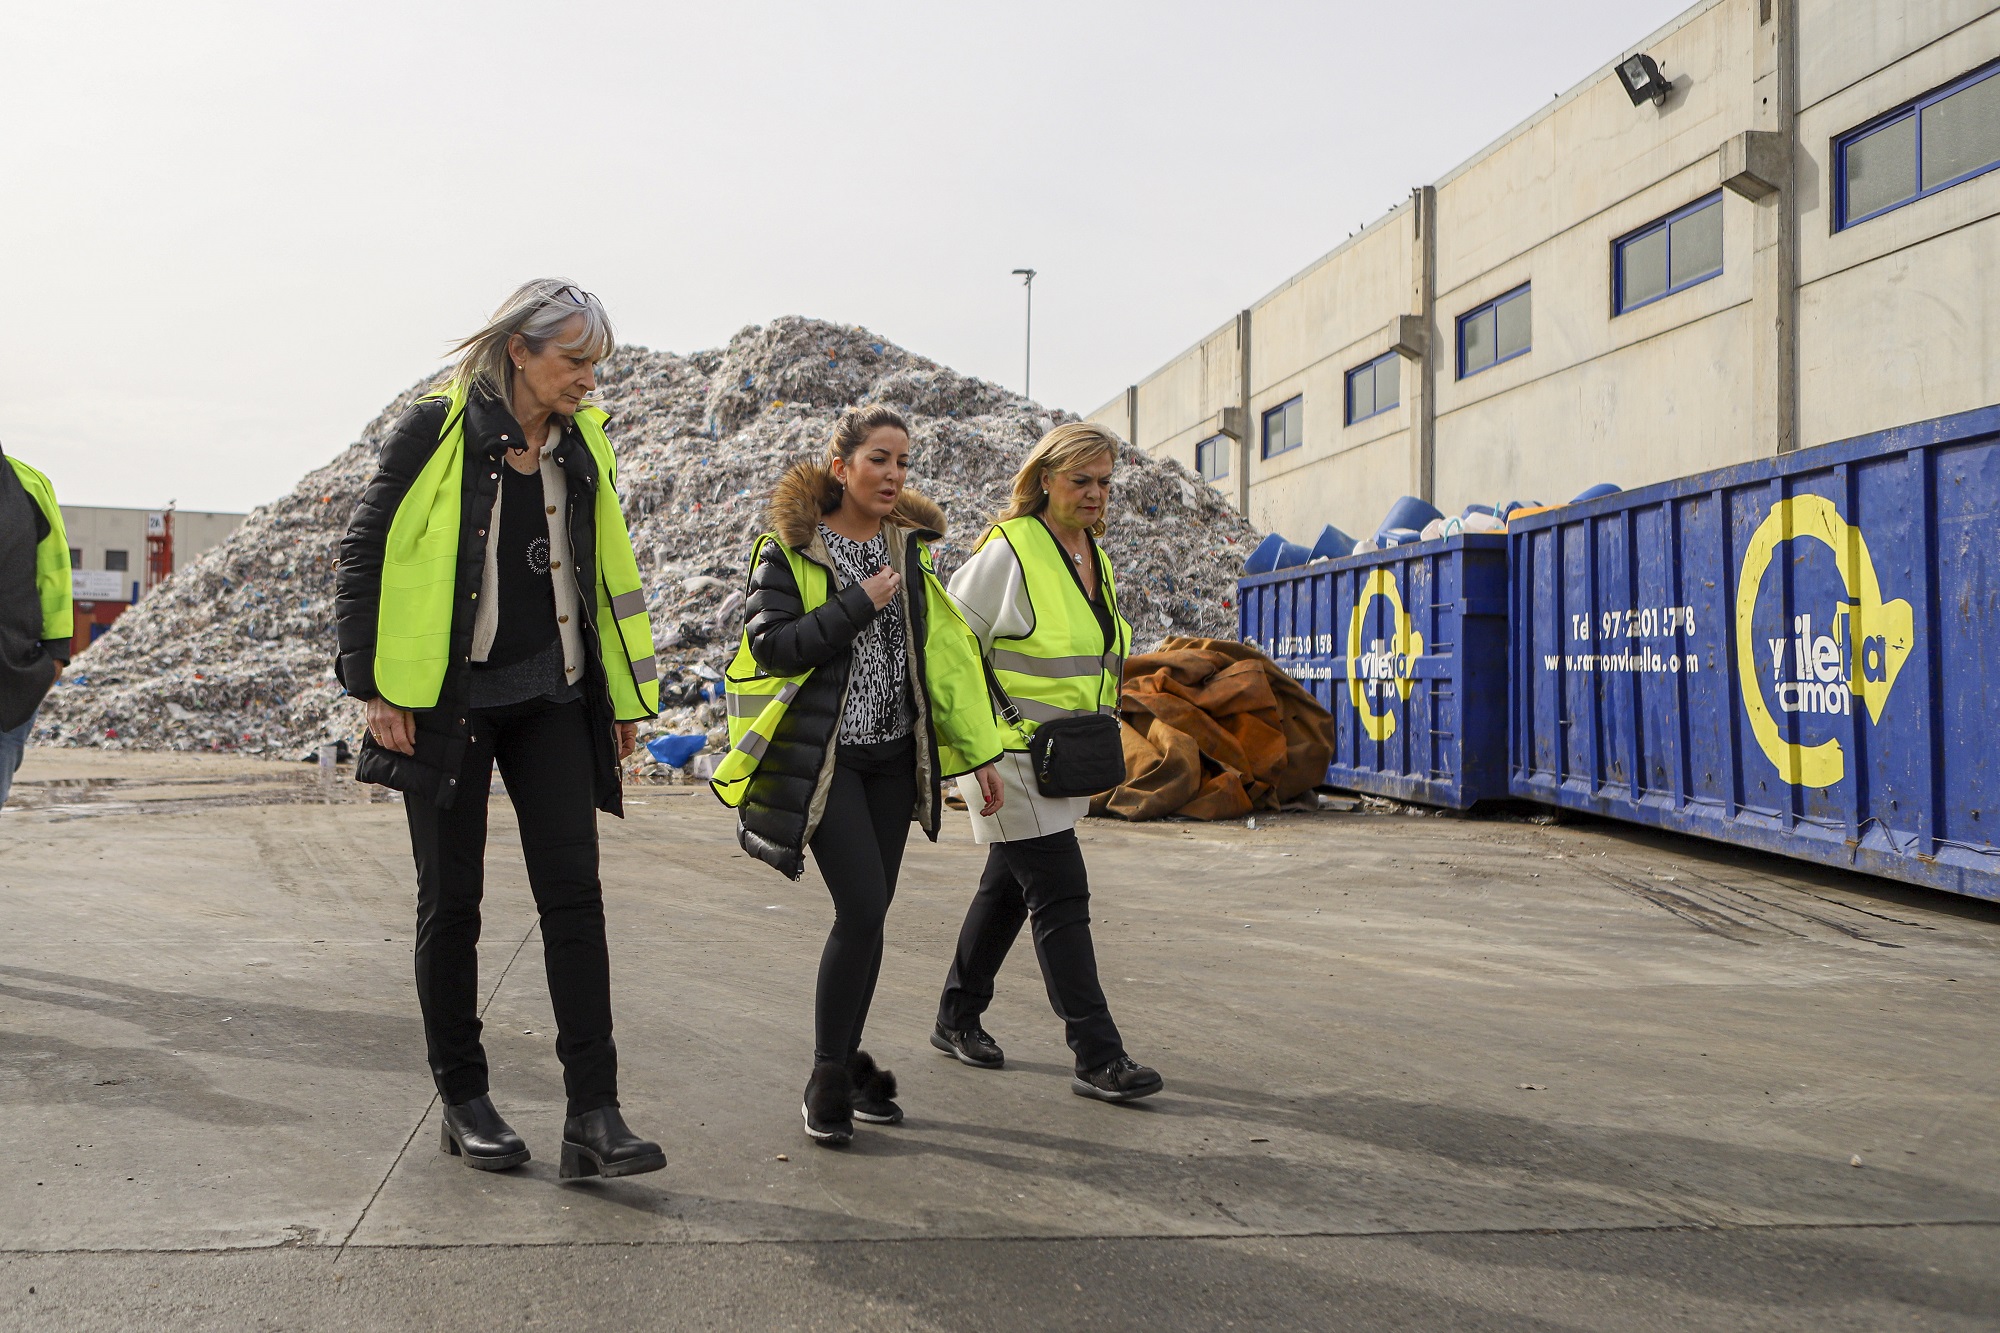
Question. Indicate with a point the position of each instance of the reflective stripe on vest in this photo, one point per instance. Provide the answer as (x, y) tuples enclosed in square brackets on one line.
[(756, 702), (1062, 667), (624, 630), (420, 579)]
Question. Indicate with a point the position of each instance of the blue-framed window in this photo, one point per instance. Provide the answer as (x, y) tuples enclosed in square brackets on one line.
[(1668, 256), (1937, 141), (1494, 332), (1373, 389), (1211, 457), (1285, 427)]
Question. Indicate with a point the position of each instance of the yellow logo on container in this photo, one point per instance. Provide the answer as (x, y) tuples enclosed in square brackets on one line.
[(1877, 637), (1389, 665)]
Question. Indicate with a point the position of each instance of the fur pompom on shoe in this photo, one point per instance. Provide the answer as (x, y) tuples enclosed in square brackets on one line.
[(829, 1104), (874, 1091)]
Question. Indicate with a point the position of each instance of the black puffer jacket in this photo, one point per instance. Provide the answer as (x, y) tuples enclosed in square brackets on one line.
[(782, 804), (432, 773)]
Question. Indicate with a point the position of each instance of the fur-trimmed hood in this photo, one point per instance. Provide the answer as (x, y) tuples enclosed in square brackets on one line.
[(807, 493)]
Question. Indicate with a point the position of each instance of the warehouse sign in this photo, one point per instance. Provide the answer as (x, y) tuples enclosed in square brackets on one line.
[(1808, 675), (98, 585), (1387, 668)]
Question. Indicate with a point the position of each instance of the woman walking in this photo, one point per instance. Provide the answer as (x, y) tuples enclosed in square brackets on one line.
[(1039, 595), (856, 691), (489, 611)]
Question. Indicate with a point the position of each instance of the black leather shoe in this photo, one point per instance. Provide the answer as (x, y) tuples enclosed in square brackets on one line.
[(598, 1143), (971, 1046), (1123, 1080), (474, 1130)]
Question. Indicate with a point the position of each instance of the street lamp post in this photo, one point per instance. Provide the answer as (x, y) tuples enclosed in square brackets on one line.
[(1027, 277)]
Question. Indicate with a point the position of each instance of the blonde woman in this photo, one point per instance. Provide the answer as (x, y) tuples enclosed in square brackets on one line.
[(1040, 596)]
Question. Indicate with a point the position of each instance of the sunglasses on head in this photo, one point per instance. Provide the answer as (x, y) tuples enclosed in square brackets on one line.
[(576, 296)]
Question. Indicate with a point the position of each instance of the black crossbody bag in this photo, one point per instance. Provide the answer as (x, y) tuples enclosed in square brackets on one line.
[(1071, 756)]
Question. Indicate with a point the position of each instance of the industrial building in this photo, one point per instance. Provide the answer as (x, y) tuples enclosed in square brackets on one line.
[(1769, 225), (115, 555)]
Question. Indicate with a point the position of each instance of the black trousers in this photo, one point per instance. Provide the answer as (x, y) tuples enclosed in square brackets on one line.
[(1043, 880), (859, 850), (544, 753)]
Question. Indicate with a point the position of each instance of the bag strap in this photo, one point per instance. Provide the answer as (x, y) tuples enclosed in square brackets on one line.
[(1008, 713)]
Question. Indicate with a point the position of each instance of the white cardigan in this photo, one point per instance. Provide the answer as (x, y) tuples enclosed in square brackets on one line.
[(992, 595), (569, 610)]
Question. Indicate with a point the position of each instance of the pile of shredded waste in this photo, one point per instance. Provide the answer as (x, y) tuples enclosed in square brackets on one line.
[(235, 651)]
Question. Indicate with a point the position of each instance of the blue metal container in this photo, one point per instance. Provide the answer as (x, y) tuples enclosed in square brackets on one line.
[(1791, 654), (1407, 648)]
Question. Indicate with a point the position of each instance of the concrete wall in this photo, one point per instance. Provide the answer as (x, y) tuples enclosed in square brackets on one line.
[(1806, 336), (1305, 337), (1634, 398), (1114, 417), (1180, 404), (1898, 315)]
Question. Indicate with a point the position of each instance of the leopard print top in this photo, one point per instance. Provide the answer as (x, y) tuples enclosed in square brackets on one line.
[(878, 691)]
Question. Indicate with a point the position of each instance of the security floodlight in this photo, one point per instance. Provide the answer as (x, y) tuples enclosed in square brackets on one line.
[(1643, 81)]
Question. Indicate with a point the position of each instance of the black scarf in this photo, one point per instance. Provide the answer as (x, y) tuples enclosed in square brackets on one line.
[(26, 669)]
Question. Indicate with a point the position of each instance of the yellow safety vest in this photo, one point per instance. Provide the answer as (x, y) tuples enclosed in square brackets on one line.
[(420, 580), (1062, 668), (961, 713), (51, 557)]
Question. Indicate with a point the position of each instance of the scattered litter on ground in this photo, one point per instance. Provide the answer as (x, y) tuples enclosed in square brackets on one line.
[(235, 650)]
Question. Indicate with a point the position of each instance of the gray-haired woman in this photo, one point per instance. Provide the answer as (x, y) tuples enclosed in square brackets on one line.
[(489, 611)]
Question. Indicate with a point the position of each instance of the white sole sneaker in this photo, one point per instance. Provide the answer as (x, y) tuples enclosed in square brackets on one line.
[(827, 1136)]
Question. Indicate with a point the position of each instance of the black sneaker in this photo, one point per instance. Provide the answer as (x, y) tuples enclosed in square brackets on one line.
[(874, 1091), (972, 1046), (829, 1105), (1123, 1080)]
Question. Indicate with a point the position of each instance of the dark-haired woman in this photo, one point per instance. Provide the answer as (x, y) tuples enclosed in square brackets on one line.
[(857, 690), (489, 611)]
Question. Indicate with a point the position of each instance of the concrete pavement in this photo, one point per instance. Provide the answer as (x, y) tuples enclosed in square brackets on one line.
[(1422, 1073)]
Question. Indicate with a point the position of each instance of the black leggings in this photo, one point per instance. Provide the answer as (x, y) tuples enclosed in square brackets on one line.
[(546, 756), (859, 849)]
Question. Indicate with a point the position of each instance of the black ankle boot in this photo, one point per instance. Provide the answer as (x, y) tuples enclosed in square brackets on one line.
[(474, 1130), (829, 1105), (598, 1143), (874, 1091)]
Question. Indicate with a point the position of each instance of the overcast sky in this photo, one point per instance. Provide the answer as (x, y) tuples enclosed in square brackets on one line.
[(232, 232)]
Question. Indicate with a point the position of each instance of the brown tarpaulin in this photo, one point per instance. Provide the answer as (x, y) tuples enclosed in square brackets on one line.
[(1214, 730)]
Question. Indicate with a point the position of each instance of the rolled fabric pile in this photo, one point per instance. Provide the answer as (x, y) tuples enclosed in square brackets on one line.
[(1214, 729)]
